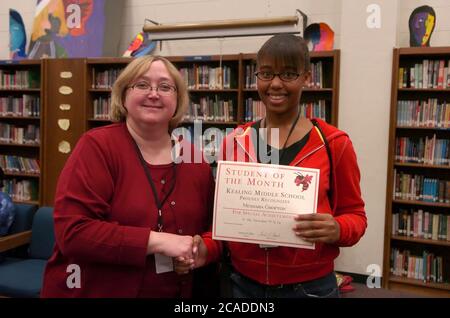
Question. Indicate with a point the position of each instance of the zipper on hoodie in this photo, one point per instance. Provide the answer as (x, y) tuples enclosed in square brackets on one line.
[(308, 154)]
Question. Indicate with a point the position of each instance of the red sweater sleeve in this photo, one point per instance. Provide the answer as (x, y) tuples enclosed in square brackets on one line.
[(82, 230), (214, 247), (349, 212)]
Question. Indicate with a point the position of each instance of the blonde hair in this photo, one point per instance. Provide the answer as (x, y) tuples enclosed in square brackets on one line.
[(136, 69)]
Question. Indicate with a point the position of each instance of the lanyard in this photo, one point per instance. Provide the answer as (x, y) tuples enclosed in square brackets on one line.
[(159, 203), (291, 130)]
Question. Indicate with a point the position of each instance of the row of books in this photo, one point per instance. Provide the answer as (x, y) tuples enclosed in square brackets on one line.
[(207, 77), (254, 109), (104, 79), (423, 113), (428, 74), (316, 75), (21, 190), (419, 188), (426, 150), (25, 106), (102, 107), (421, 224), (317, 109), (12, 164), (23, 135), (426, 267), (211, 109), (16, 79), (250, 78)]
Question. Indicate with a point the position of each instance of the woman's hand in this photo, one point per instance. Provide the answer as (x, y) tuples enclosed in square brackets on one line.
[(171, 245), (199, 251), (317, 227)]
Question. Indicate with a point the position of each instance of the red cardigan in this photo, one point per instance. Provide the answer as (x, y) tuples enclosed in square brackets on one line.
[(104, 212), (285, 265)]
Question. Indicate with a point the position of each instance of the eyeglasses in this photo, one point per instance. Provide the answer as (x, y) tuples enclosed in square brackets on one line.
[(284, 76), (162, 89)]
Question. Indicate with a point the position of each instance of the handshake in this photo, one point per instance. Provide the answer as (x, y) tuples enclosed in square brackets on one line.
[(193, 257), (187, 252)]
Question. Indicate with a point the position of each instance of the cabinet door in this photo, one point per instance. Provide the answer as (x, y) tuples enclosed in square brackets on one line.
[(64, 118)]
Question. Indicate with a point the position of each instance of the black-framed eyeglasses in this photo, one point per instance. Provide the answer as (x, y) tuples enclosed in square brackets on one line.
[(287, 76), (163, 89)]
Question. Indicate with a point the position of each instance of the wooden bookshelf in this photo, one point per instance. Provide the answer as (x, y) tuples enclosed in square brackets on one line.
[(100, 76), (21, 107), (418, 287), (213, 83), (410, 133), (419, 240), (203, 89), (77, 107)]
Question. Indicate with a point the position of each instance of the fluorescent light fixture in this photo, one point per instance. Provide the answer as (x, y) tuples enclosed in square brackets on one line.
[(224, 28)]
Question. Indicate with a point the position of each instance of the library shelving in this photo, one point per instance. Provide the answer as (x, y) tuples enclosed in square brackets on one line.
[(21, 95), (74, 95), (100, 76), (417, 227), (215, 98)]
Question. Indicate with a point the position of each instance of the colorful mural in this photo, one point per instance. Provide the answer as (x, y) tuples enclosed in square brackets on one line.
[(68, 28), (319, 37)]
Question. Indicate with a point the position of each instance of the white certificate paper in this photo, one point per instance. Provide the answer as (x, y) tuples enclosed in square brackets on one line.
[(257, 203)]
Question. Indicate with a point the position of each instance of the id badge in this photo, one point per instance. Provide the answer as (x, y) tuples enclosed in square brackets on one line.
[(163, 263)]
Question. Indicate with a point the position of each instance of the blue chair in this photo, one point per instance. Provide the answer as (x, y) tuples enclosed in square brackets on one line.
[(23, 221), (23, 277)]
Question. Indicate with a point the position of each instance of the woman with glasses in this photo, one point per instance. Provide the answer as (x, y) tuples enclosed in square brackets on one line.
[(283, 70), (128, 200)]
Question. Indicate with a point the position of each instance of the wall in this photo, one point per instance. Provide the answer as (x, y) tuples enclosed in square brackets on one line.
[(366, 65), (165, 12)]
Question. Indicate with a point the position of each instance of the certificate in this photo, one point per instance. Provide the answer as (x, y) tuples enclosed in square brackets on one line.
[(257, 203)]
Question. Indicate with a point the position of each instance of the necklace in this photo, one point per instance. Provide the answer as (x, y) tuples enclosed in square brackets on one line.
[(291, 130)]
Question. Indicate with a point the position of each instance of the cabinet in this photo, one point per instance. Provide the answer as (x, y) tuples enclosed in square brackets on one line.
[(64, 119), (21, 94), (417, 240)]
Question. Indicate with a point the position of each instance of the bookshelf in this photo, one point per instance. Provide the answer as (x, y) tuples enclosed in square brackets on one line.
[(215, 98), (417, 244), (21, 96), (100, 76), (217, 87), (75, 93)]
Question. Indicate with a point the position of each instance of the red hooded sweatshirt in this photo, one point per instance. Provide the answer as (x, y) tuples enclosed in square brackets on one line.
[(286, 265)]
